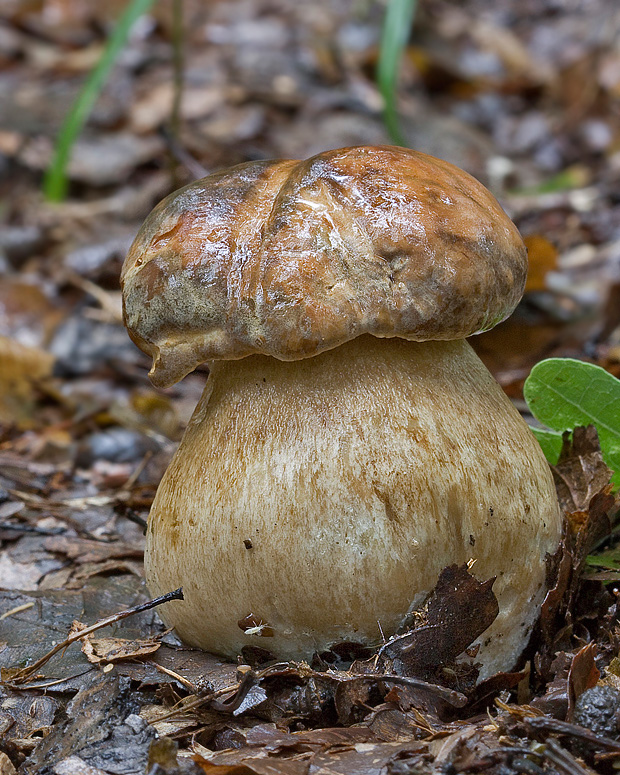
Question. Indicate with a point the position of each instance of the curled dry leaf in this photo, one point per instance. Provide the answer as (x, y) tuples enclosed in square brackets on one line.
[(543, 258), (104, 650), (583, 675), (458, 611), (580, 472), (582, 480)]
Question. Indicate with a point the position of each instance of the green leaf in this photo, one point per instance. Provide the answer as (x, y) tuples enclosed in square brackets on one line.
[(55, 182), (563, 393), (551, 443), (394, 36)]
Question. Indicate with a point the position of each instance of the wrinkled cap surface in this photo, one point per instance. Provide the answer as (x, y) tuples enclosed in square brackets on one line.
[(291, 258)]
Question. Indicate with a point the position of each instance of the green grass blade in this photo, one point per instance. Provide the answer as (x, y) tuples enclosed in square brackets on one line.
[(394, 36), (55, 181)]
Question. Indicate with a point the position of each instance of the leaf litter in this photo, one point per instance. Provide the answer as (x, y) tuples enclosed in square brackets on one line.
[(528, 107), (393, 706)]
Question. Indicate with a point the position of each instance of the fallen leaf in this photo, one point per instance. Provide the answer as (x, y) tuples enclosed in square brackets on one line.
[(580, 472), (98, 650), (6, 765), (459, 609), (583, 675), (85, 551), (542, 258), (21, 370)]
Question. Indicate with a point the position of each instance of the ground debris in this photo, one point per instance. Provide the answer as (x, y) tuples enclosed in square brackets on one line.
[(522, 95), (102, 728), (458, 611)]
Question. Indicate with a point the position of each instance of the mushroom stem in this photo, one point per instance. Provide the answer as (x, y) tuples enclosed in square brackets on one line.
[(318, 499)]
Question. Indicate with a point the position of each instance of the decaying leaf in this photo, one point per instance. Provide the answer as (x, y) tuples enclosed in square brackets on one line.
[(101, 727), (582, 480), (580, 472), (103, 650), (6, 765), (22, 368), (542, 258), (458, 611), (583, 675)]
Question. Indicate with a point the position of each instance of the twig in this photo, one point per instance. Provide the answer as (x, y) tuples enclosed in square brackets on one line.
[(546, 724), (17, 610), (250, 679), (47, 684), (183, 156), (563, 760), (26, 672), (106, 301), (137, 471), (183, 681), (197, 702), (452, 697), (45, 531), (131, 514), (240, 690)]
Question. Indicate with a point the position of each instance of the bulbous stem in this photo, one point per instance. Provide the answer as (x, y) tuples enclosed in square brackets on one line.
[(317, 501)]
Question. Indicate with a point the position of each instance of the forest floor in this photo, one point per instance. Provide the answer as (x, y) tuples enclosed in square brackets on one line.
[(525, 95)]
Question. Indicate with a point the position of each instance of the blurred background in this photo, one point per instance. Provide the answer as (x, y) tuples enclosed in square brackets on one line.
[(523, 94)]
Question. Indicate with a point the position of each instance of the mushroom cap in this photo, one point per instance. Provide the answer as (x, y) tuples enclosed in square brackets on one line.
[(292, 258)]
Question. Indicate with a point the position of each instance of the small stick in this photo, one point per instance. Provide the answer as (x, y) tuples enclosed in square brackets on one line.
[(47, 684), (566, 763), (138, 470), (26, 672), (132, 515), (546, 724), (249, 680), (196, 702), (23, 528), (452, 697), (17, 610), (183, 681)]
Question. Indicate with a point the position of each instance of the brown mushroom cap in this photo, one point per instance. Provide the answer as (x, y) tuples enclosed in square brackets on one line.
[(292, 258)]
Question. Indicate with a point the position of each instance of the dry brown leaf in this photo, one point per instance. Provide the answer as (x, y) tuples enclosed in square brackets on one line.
[(543, 258), (459, 609), (99, 650), (583, 674), (580, 473), (85, 551), (6, 765), (21, 368), (284, 767)]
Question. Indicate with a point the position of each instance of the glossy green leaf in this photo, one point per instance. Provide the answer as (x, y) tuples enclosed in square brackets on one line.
[(551, 443), (563, 393)]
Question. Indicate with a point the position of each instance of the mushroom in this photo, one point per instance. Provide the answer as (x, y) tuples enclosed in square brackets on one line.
[(349, 444)]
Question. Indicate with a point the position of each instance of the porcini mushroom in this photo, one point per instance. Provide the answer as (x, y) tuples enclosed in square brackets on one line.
[(349, 444)]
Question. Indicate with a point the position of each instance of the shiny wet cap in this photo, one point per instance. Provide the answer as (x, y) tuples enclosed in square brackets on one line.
[(291, 258)]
